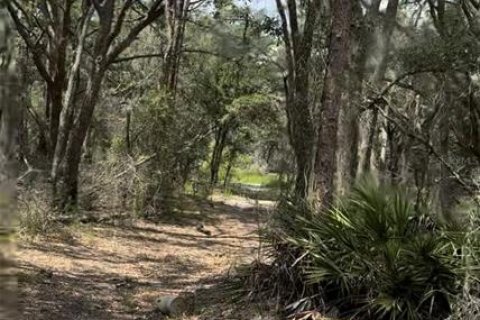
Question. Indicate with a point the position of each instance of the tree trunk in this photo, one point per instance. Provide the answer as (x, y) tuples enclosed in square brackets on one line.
[(298, 46), (68, 179), (217, 153), (231, 159), (108, 44), (128, 142), (9, 105), (9, 125), (67, 114), (175, 15), (337, 67), (376, 136), (55, 92), (351, 119)]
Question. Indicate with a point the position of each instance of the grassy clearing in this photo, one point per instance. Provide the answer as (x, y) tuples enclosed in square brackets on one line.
[(254, 177)]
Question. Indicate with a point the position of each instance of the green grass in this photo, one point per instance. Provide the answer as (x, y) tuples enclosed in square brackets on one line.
[(254, 177)]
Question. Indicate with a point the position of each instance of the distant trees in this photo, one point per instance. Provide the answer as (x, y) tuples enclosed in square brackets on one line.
[(360, 94)]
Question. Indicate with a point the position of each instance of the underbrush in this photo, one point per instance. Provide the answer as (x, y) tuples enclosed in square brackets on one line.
[(34, 212), (374, 256)]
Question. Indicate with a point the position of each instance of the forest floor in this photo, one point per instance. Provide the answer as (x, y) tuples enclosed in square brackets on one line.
[(118, 270)]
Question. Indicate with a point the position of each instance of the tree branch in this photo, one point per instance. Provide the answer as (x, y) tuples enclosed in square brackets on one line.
[(432, 150), (155, 11), (160, 55), (396, 81), (118, 25), (36, 54)]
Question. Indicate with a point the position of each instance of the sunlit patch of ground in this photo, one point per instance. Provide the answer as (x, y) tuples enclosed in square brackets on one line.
[(106, 271)]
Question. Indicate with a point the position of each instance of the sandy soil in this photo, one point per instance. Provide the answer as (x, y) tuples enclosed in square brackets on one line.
[(117, 271)]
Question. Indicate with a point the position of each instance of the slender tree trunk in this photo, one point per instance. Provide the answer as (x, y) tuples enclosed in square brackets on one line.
[(73, 153), (448, 186), (334, 86), (128, 141), (217, 153), (175, 14), (376, 135), (298, 46), (55, 92), (57, 63), (228, 171)]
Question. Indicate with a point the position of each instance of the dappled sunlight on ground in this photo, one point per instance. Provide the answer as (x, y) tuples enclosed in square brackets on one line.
[(106, 271)]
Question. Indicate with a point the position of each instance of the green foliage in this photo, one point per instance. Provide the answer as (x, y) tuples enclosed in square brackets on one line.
[(455, 49), (254, 177), (375, 257)]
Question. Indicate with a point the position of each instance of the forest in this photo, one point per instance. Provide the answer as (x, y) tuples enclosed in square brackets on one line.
[(240, 159)]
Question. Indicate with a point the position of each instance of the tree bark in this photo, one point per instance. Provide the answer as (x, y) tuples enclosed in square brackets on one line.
[(73, 153), (217, 154), (298, 47), (67, 114), (9, 125), (228, 172), (175, 16), (50, 58), (9, 104), (350, 131), (105, 51), (376, 135), (334, 86)]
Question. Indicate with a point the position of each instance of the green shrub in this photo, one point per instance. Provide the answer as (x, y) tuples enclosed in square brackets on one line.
[(374, 257)]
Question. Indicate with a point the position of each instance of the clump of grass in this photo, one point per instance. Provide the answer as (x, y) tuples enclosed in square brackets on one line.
[(34, 214)]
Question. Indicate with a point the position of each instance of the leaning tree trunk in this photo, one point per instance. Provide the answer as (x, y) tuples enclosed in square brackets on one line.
[(9, 124), (337, 67)]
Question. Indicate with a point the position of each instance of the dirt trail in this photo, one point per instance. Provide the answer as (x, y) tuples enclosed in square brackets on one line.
[(102, 271)]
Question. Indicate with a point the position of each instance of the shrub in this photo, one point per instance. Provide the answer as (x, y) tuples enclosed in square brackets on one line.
[(373, 257), (34, 213)]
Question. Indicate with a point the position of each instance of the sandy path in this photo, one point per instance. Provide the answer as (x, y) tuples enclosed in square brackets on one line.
[(104, 271)]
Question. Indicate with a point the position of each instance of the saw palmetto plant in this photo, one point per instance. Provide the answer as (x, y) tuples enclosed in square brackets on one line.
[(374, 256)]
